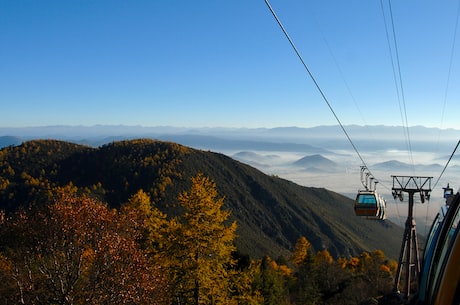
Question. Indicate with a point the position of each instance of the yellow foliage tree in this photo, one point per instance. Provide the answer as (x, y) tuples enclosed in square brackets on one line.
[(302, 247), (244, 292), (200, 246), (324, 257)]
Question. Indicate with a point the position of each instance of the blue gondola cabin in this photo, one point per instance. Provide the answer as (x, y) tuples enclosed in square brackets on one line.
[(367, 204)]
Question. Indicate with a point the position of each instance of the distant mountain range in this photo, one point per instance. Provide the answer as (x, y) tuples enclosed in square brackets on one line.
[(272, 213), (401, 166), (314, 140), (275, 150)]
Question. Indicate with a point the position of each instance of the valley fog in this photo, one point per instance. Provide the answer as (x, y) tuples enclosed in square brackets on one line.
[(314, 157), (343, 175)]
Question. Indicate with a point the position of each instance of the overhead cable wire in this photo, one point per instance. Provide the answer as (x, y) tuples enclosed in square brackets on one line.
[(390, 51), (341, 74), (404, 114), (449, 72), (395, 79), (291, 42), (452, 52), (437, 180), (448, 161)]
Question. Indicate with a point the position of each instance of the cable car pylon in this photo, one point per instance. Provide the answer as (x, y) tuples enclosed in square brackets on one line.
[(409, 258)]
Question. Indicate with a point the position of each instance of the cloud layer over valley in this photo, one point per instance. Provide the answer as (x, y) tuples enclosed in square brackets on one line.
[(314, 157)]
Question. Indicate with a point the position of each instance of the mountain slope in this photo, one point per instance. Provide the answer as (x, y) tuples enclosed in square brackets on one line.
[(271, 213)]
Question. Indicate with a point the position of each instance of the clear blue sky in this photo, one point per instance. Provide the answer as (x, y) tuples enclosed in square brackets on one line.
[(226, 63)]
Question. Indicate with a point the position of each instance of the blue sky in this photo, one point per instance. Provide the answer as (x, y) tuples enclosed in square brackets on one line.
[(226, 63)]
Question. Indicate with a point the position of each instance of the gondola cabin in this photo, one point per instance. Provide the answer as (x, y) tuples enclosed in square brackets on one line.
[(370, 204)]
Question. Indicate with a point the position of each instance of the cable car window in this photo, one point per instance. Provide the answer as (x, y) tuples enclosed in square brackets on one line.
[(450, 273), (428, 254), (445, 249), (451, 233), (429, 240), (367, 199), (434, 227)]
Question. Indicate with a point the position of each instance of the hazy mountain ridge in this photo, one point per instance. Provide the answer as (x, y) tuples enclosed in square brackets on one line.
[(9, 140), (271, 212), (376, 144), (379, 137), (394, 164), (431, 148), (256, 159)]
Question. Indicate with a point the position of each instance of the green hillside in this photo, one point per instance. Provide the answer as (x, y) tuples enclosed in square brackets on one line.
[(272, 213)]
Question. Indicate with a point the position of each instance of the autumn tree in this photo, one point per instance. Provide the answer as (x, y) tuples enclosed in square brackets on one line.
[(272, 282), (75, 251), (375, 268), (200, 245), (150, 221), (305, 289), (301, 251), (243, 282)]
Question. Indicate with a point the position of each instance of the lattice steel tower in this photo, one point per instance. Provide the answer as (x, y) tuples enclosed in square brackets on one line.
[(409, 258)]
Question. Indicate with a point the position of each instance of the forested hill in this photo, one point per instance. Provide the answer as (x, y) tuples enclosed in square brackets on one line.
[(271, 213)]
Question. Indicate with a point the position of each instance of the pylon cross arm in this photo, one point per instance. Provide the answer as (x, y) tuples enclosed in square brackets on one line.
[(411, 184)]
